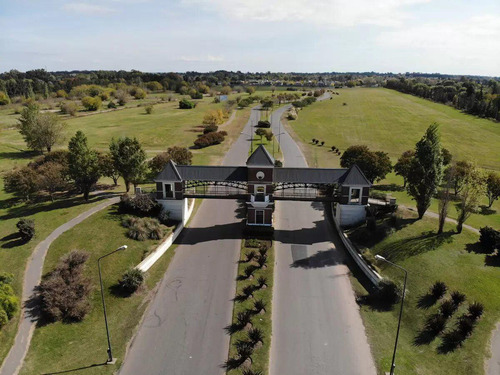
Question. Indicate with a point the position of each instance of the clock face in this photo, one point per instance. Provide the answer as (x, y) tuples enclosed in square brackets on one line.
[(260, 175)]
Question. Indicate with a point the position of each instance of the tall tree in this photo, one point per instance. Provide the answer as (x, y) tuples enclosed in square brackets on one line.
[(84, 166), (129, 159), (180, 155), (470, 196), (375, 165), (426, 170), (402, 166), (458, 174), (108, 168), (492, 187)]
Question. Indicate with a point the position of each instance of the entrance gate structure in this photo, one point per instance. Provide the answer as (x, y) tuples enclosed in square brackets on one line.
[(260, 184)]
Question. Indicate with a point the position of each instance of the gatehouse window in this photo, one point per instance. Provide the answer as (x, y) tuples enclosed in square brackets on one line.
[(169, 193), (355, 196)]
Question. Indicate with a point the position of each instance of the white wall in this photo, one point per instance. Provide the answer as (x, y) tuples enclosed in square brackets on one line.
[(350, 214), (178, 208)]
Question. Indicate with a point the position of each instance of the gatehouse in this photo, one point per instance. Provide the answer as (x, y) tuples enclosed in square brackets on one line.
[(260, 183)]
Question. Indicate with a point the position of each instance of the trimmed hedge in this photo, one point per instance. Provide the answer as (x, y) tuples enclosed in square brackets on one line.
[(209, 139)]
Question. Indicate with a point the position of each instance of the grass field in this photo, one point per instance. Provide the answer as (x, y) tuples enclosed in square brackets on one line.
[(428, 258), (260, 356), (393, 122), (63, 347)]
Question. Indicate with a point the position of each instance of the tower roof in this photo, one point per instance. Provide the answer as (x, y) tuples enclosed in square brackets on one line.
[(260, 158), (169, 173), (354, 177)]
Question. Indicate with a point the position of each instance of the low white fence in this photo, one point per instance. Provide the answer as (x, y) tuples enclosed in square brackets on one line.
[(162, 248), (373, 276)]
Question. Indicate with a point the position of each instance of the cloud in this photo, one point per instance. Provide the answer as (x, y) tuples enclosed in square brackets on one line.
[(90, 9), (333, 13)]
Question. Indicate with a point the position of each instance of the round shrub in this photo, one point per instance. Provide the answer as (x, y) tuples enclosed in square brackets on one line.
[(186, 104), (210, 129), (26, 228), (457, 298), (489, 238), (111, 104), (263, 124), (438, 289), (69, 108), (131, 280), (91, 103), (447, 308), (436, 323), (388, 293), (149, 109), (476, 310), (209, 139)]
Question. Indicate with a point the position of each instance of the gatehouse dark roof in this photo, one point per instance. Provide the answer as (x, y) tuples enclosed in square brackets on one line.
[(260, 158)]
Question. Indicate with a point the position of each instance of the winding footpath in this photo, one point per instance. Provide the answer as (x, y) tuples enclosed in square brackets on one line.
[(32, 276)]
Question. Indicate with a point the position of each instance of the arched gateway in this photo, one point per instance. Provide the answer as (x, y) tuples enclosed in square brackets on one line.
[(260, 183)]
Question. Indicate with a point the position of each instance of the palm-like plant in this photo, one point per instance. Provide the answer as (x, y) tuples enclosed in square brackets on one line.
[(250, 255), (263, 250), (255, 335), (261, 260), (249, 271), (261, 281), (248, 290), (457, 298), (259, 305), (244, 317), (251, 372), (476, 310), (244, 349)]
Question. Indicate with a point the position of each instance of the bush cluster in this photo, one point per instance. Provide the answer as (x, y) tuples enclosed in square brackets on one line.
[(143, 228), (186, 104), (212, 138), (26, 229), (9, 303), (140, 204), (304, 102), (64, 293)]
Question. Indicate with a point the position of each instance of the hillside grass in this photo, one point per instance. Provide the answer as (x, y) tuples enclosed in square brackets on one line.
[(64, 347), (389, 121), (429, 257)]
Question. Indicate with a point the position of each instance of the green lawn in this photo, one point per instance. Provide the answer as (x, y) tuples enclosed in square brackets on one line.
[(393, 122), (429, 258), (59, 346), (260, 356)]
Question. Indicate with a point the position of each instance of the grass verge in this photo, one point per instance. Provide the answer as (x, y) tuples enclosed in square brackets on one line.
[(260, 321), (452, 258)]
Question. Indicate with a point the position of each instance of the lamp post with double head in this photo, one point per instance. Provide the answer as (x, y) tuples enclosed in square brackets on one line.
[(379, 257), (110, 359)]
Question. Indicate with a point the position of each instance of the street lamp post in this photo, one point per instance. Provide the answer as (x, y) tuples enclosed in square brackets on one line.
[(110, 359), (379, 257)]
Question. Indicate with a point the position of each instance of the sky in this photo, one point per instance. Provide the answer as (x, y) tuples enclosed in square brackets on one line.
[(433, 36)]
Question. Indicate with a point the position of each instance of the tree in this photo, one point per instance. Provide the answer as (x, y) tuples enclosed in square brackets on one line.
[(4, 98), (26, 229), (128, 157), (108, 168), (179, 155), (64, 292), (69, 108), (261, 133), (375, 165), (444, 200), (470, 196), (51, 178), (84, 166), (492, 187), (426, 170), (250, 90), (154, 86), (226, 90), (402, 167), (458, 174), (447, 156), (22, 182)]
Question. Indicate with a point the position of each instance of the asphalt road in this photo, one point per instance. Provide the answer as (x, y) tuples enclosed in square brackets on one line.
[(317, 328), (183, 329)]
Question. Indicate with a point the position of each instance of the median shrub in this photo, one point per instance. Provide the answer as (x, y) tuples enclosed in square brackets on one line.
[(26, 229), (64, 292), (131, 280)]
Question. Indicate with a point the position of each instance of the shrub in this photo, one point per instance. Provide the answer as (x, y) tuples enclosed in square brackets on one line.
[(144, 228), (209, 139), (64, 293), (9, 303), (388, 293), (248, 271), (196, 95), (465, 326), (164, 216), (438, 289), (252, 242), (244, 349), (186, 104), (244, 317), (140, 204), (3, 318), (91, 104), (149, 109), (4, 98), (263, 124), (261, 281), (457, 298), (69, 108), (139, 93), (476, 310), (436, 323), (131, 280), (489, 238), (259, 305), (250, 255), (26, 228), (261, 260), (210, 129), (255, 335), (111, 104), (447, 308)]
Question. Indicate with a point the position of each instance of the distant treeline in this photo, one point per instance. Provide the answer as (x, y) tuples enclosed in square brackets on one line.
[(480, 98)]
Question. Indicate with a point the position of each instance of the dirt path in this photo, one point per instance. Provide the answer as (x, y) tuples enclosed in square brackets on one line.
[(32, 277)]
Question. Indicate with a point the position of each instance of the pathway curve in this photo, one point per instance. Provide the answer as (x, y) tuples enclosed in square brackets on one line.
[(317, 327), (32, 277)]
